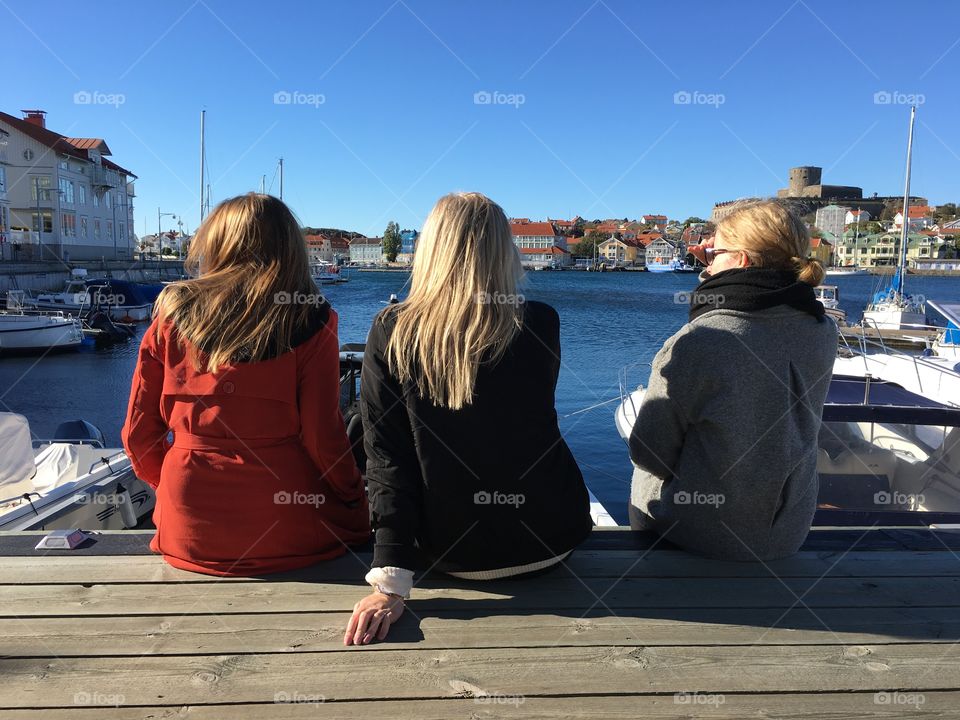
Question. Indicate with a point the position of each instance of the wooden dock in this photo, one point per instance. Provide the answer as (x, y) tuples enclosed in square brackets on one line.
[(861, 624)]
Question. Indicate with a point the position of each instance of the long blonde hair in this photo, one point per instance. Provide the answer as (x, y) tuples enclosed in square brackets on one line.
[(771, 235), (463, 308), (251, 290)]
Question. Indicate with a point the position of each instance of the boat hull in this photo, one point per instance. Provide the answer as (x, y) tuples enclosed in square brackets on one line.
[(24, 333)]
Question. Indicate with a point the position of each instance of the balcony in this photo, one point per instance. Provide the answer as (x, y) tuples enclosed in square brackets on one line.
[(100, 177)]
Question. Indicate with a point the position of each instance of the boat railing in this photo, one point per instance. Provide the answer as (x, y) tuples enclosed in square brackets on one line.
[(866, 344)]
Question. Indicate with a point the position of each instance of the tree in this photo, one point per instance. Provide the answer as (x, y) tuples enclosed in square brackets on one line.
[(391, 241), (693, 220), (589, 243), (890, 209)]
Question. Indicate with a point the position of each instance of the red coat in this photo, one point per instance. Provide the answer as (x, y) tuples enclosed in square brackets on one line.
[(260, 473)]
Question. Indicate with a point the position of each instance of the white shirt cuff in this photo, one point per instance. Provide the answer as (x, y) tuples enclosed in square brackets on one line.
[(392, 580)]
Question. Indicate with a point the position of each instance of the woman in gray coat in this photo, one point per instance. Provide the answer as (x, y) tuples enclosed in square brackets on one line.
[(725, 443)]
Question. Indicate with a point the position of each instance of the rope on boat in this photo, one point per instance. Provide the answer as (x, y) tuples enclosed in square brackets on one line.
[(592, 407)]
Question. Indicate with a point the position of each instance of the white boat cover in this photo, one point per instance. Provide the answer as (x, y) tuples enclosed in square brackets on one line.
[(56, 465), (16, 450)]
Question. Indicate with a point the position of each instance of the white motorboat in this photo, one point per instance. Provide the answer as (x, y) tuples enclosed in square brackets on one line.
[(71, 481), (325, 273), (121, 299), (829, 296), (847, 271), (886, 456), (34, 331), (947, 343)]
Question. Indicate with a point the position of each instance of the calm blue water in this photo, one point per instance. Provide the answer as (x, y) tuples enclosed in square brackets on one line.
[(612, 326)]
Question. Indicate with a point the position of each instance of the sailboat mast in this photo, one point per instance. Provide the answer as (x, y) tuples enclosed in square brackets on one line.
[(905, 229), (203, 115), (281, 178)]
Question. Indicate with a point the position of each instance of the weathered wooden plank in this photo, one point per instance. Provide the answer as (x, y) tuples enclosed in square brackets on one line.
[(584, 564), (357, 674), (266, 633), (136, 542), (556, 595), (820, 706)]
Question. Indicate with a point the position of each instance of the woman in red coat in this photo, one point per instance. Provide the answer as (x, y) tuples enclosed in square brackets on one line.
[(234, 413)]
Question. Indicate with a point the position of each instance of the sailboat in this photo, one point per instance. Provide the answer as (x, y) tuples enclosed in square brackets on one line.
[(893, 308)]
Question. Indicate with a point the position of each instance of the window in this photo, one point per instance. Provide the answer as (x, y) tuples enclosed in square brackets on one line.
[(96, 229), (66, 190), (41, 182), (83, 227), (109, 229), (64, 165), (47, 222), (96, 199), (106, 199), (81, 194), (123, 232), (68, 225), (119, 199), (3, 179)]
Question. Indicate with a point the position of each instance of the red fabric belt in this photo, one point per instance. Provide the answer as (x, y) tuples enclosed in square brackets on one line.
[(206, 442)]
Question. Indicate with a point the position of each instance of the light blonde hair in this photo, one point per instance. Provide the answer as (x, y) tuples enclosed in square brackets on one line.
[(773, 236), (251, 288), (462, 308)]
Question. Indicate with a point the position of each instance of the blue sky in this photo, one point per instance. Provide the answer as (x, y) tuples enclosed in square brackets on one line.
[(586, 119)]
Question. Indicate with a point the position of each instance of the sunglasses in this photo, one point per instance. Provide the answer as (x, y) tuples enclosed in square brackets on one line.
[(710, 254)]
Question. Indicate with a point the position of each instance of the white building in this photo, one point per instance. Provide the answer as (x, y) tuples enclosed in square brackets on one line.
[(64, 199), (366, 250), (856, 216), (832, 218), (540, 244)]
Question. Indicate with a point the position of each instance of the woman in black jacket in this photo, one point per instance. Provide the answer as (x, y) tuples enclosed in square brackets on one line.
[(466, 468)]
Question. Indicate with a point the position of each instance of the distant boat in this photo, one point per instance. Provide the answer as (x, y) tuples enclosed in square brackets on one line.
[(23, 332), (121, 299), (893, 308), (947, 343), (829, 296), (325, 273), (847, 271)]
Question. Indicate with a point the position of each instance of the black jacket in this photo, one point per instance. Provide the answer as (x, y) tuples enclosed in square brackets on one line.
[(489, 486)]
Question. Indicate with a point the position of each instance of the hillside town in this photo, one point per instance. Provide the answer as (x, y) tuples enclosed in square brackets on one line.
[(62, 198)]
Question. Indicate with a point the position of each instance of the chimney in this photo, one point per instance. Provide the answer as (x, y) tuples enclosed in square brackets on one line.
[(35, 117)]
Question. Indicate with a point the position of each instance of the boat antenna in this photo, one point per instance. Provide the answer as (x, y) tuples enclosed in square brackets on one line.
[(905, 229)]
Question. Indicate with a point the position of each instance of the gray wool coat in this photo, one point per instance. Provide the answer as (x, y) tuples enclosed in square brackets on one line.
[(725, 443)]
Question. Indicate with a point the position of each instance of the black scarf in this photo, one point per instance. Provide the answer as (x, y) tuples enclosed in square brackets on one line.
[(749, 289)]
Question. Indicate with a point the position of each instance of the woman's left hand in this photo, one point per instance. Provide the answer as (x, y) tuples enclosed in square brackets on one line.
[(372, 617)]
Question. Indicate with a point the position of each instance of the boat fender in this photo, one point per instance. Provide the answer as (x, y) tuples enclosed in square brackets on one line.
[(125, 506)]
